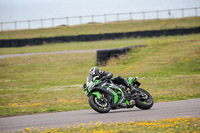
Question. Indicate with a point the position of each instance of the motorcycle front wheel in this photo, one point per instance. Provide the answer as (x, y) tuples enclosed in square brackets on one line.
[(145, 101), (101, 106)]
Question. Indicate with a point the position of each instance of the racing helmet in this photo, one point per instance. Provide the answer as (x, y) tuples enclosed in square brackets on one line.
[(94, 71)]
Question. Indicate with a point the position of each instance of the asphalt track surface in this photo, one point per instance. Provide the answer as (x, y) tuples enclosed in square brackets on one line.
[(159, 111), (47, 53), (59, 52)]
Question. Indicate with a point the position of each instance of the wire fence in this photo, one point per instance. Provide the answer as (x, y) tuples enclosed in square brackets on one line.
[(103, 18)]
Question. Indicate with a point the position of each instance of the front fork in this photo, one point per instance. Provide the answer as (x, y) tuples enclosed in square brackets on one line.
[(96, 93)]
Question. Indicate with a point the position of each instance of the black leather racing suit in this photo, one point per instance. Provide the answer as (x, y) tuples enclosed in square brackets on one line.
[(117, 80), (104, 75), (107, 75)]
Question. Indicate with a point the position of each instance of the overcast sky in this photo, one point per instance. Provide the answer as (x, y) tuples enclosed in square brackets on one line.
[(12, 10)]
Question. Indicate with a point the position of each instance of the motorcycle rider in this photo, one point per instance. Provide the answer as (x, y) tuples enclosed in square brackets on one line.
[(95, 71)]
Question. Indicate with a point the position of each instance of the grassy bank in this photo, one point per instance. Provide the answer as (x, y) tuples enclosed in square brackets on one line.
[(168, 68), (96, 28), (173, 125)]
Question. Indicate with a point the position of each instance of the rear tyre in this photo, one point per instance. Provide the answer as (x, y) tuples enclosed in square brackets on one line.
[(145, 102), (98, 105)]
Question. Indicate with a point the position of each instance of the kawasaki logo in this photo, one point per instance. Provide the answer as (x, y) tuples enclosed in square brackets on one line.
[(121, 100)]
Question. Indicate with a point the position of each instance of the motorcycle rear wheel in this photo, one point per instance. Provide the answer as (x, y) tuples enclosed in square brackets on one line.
[(96, 104), (145, 102)]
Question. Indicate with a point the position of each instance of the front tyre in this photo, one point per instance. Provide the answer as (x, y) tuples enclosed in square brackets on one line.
[(101, 106), (145, 101)]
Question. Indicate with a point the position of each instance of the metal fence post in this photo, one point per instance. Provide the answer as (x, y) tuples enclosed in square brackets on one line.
[(80, 20), (29, 24), (15, 25), (67, 21), (1, 26), (143, 15), (195, 12), (52, 22), (41, 23), (92, 17), (157, 12), (117, 17), (182, 13), (105, 18), (169, 13), (131, 18)]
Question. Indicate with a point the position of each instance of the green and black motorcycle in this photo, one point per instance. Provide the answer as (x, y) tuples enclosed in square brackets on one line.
[(106, 95)]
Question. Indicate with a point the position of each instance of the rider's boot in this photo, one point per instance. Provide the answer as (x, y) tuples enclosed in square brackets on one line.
[(124, 105), (132, 89)]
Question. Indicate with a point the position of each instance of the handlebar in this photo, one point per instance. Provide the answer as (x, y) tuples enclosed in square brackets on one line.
[(106, 80)]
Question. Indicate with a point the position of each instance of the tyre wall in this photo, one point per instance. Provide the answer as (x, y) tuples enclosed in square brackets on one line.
[(104, 55), (96, 37)]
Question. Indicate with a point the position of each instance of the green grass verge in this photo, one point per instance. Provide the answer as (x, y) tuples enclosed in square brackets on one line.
[(118, 43), (169, 68), (173, 125), (73, 46), (122, 26)]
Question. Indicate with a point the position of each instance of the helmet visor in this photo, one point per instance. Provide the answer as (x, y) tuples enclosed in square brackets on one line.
[(96, 73)]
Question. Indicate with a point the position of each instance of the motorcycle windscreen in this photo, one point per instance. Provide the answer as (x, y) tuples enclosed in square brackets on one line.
[(89, 78)]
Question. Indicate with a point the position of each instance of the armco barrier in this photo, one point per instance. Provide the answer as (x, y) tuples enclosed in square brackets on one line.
[(104, 55), (96, 37)]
